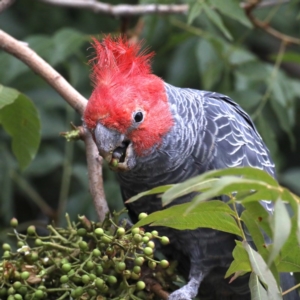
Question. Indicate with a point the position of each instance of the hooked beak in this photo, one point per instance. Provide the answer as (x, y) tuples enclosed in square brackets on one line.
[(114, 148)]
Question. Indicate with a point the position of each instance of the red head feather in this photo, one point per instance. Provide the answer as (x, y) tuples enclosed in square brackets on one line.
[(123, 85)]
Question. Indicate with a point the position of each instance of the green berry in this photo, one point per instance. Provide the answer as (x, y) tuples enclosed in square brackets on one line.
[(90, 265), (71, 273), (137, 238), (140, 285), (25, 275), (39, 294), (135, 276), (121, 266), (114, 162), (78, 291), (14, 222), (92, 276), (6, 247), (38, 242), (99, 283), (6, 254), (112, 279), (22, 290), (164, 263), (31, 230), (165, 240), (135, 230), (99, 270), (126, 274), (96, 252), (85, 279), (152, 264), (139, 261), (154, 233), (81, 231), (105, 239), (83, 245), (148, 251), (18, 297), (10, 297), (20, 244), (137, 269), (66, 267), (120, 231), (64, 279), (92, 292), (151, 244), (145, 239), (11, 291), (34, 256), (17, 285), (142, 216), (99, 231), (149, 235)]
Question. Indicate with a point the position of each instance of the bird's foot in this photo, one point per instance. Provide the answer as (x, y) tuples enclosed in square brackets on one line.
[(188, 291)]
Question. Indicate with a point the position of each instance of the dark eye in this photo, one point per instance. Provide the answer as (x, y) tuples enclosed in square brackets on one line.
[(138, 117)]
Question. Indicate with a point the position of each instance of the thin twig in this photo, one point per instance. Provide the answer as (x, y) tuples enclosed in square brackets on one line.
[(5, 4), (94, 163), (264, 4), (43, 69), (249, 7), (121, 9)]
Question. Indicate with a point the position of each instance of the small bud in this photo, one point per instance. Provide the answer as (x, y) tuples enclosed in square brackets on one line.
[(14, 222), (142, 216), (140, 285)]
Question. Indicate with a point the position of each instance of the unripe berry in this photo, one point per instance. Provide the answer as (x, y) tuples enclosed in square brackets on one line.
[(81, 231), (99, 283), (120, 231), (112, 279), (137, 269), (85, 279), (66, 267), (14, 222), (99, 231), (96, 252), (152, 264), (39, 294), (140, 285), (148, 251), (25, 275), (154, 233), (164, 263), (83, 245), (31, 230), (64, 279), (142, 216), (6, 247), (137, 238), (135, 230), (151, 244), (165, 240), (139, 260)]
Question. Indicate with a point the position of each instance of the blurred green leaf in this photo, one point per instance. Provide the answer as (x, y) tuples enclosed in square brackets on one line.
[(217, 20), (212, 214), (67, 41), (20, 119), (7, 96), (232, 9), (281, 227), (195, 11)]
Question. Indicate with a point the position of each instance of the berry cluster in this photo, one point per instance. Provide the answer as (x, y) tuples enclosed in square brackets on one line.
[(84, 260)]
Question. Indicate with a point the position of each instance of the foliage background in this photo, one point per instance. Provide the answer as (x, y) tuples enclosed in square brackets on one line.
[(191, 51)]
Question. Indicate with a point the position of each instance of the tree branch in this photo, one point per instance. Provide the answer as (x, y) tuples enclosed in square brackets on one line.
[(4, 4), (94, 163), (249, 7), (122, 9), (42, 68)]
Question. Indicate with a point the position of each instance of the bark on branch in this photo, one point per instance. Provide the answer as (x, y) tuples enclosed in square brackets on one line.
[(21, 51), (121, 9)]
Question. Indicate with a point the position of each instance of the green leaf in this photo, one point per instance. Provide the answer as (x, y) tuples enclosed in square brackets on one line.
[(293, 57), (232, 9), (197, 183), (217, 20), (20, 120), (207, 57), (195, 11), (7, 96), (211, 214), (260, 268), (67, 41), (257, 290), (241, 262), (157, 190), (281, 227)]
